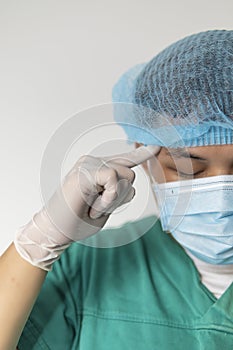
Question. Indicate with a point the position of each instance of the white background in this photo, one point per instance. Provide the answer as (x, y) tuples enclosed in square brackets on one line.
[(59, 57)]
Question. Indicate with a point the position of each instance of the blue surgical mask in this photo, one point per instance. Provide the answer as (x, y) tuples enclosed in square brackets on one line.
[(199, 215)]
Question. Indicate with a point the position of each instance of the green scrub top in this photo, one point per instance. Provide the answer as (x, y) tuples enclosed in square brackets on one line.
[(143, 295)]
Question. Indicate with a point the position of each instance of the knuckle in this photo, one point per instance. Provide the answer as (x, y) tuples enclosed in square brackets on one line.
[(86, 158), (132, 176), (110, 198), (111, 173), (130, 195), (133, 191)]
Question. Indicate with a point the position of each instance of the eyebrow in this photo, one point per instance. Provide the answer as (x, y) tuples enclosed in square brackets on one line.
[(184, 154)]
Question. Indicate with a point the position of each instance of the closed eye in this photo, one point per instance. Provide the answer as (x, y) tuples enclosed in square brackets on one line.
[(183, 174)]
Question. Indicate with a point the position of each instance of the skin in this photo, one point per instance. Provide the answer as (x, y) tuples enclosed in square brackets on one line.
[(196, 162), (23, 281), (18, 293)]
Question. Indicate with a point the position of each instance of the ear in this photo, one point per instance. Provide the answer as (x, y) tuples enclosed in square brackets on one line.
[(145, 163)]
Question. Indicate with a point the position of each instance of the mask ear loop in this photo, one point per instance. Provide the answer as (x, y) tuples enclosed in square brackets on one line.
[(152, 181)]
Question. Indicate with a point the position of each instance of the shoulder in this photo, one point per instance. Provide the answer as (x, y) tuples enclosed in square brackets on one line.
[(130, 243), (112, 244), (114, 256), (90, 280)]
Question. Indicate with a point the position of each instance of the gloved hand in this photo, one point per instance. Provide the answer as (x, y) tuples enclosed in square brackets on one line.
[(81, 205)]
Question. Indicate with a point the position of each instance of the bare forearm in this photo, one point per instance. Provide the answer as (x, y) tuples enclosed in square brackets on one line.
[(20, 283)]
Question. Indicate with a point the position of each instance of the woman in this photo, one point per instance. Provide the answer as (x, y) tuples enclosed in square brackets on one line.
[(162, 291)]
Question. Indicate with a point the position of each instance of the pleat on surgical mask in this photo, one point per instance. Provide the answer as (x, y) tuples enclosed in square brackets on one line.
[(199, 214)]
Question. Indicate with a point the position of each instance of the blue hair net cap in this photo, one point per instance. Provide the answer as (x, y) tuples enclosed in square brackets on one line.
[(183, 97)]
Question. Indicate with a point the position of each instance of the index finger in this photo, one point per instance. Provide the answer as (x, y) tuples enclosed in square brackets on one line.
[(135, 157)]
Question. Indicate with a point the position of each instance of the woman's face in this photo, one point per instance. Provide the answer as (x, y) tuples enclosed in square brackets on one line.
[(173, 164)]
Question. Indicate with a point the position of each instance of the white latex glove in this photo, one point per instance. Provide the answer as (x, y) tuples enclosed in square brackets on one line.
[(81, 205)]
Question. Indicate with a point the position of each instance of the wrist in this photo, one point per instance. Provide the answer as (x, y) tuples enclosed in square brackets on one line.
[(39, 242)]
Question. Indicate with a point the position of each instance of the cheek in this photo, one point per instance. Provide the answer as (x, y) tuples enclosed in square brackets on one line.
[(161, 171), (170, 175), (158, 171)]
